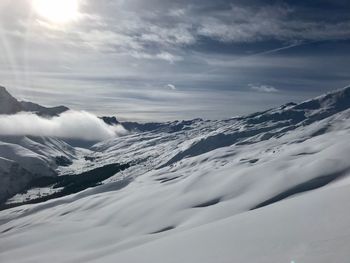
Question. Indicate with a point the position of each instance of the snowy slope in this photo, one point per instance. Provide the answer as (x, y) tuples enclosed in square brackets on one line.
[(25, 159), (270, 187), (312, 228)]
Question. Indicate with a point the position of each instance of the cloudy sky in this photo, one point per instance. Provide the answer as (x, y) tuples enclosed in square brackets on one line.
[(174, 59)]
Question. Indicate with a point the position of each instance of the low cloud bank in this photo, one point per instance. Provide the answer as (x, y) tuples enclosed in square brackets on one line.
[(69, 125)]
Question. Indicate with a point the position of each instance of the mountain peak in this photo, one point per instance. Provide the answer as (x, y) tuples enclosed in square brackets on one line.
[(4, 92), (2, 88), (10, 105), (337, 100)]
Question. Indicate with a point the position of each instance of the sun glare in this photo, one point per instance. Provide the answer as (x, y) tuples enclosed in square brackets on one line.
[(57, 11)]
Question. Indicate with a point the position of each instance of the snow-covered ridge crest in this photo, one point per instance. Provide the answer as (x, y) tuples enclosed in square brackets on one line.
[(265, 125)]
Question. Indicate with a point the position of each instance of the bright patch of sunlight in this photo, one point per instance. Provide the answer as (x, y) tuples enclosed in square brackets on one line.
[(57, 11)]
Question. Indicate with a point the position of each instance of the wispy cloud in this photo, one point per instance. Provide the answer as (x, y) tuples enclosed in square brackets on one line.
[(160, 28), (263, 88), (166, 56), (171, 86)]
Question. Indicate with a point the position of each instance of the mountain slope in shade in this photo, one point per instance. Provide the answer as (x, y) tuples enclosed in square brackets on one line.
[(10, 105), (41, 110), (23, 159), (269, 187)]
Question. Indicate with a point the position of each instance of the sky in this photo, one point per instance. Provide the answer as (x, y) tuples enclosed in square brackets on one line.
[(152, 60)]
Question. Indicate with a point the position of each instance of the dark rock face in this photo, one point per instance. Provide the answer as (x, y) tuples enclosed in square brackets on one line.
[(10, 105), (41, 110), (110, 120), (63, 161)]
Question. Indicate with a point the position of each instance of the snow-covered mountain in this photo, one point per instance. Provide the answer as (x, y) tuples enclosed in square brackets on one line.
[(23, 159), (268, 187)]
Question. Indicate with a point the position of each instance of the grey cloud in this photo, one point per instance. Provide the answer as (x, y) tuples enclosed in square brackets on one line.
[(171, 27), (250, 24), (134, 48)]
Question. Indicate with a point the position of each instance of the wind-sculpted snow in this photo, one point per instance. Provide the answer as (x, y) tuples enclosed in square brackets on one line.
[(269, 187)]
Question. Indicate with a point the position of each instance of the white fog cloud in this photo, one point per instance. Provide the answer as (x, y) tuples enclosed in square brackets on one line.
[(69, 125)]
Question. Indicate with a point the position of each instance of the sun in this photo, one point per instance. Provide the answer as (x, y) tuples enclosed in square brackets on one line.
[(57, 11)]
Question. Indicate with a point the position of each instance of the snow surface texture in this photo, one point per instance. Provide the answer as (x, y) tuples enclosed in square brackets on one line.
[(270, 187)]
